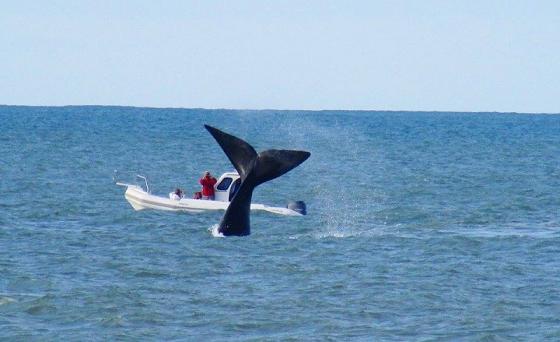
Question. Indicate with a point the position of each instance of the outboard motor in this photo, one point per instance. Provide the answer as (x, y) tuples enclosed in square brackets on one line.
[(298, 206)]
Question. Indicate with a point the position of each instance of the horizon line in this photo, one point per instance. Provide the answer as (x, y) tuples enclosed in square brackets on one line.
[(283, 110)]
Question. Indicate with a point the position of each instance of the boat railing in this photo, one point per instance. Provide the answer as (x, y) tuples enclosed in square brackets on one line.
[(140, 180), (145, 182)]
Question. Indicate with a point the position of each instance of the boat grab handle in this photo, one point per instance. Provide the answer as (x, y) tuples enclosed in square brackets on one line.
[(145, 181)]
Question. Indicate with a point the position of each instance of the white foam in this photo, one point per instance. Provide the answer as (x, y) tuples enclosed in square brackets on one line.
[(6, 300), (336, 234), (214, 231), (21, 294)]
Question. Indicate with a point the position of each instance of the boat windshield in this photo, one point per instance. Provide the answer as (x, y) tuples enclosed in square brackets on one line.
[(224, 184)]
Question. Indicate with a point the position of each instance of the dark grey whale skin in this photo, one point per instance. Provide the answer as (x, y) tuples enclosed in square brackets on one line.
[(254, 169)]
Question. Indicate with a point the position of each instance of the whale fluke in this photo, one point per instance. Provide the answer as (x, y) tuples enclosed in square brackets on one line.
[(239, 152), (254, 169)]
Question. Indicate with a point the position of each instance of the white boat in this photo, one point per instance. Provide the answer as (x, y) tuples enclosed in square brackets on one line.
[(140, 198)]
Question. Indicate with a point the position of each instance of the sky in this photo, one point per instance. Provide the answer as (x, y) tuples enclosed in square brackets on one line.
[(363, 55)]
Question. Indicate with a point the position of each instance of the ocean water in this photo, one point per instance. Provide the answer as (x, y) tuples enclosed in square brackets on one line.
[(420, 226)]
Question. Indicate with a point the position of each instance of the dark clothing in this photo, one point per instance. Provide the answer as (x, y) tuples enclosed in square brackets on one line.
[(207, 183)]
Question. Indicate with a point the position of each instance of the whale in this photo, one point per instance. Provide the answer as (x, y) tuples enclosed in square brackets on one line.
[(254, 169)]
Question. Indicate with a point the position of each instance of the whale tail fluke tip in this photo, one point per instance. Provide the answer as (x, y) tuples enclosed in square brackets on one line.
[(265, 166)]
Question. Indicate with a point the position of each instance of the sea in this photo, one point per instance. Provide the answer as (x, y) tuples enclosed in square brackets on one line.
[(421, 226)]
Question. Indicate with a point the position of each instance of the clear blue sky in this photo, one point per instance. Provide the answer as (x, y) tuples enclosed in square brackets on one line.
[(379, 55)]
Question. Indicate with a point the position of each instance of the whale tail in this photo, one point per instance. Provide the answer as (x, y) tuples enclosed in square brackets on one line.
[(254, 169), (263, 166)]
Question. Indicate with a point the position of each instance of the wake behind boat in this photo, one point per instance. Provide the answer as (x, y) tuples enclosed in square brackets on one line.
[(140, 198)]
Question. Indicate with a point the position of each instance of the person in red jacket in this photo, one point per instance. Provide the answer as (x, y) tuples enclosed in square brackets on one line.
[(207, 182)]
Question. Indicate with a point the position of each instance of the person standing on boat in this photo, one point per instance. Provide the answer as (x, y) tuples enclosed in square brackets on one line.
[(207, 182)]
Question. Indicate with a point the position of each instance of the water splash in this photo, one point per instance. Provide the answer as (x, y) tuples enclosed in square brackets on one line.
[(214, 231)]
